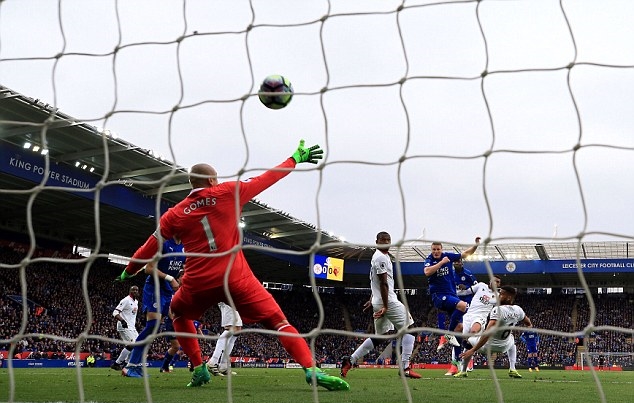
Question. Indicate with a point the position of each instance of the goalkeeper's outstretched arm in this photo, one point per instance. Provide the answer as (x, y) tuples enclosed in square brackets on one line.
[(144, 253)]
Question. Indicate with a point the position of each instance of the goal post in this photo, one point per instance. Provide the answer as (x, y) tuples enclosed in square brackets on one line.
[(607, 361)]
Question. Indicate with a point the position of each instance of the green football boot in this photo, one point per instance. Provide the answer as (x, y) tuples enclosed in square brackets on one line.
[(327, 381), (200, 376)]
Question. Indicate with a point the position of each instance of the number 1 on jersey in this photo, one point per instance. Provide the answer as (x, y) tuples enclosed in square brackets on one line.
[(210, 235)]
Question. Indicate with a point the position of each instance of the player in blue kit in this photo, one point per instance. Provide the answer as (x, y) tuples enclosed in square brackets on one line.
[(531, 340), (442, 287), (168, 270), (464, 279)]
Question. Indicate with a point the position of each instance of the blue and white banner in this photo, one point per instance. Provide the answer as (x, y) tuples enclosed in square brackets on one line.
[(517, 266), (25, 164)]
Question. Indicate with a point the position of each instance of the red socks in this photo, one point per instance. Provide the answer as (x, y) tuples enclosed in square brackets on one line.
[(296, 346), (189, 344)]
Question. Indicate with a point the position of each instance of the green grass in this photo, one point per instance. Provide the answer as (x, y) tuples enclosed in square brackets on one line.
[(289, 386)]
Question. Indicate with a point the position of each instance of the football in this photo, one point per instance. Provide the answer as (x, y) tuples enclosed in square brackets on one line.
[(275, 92)]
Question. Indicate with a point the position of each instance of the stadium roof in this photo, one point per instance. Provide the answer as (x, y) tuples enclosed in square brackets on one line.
[(67, 218)]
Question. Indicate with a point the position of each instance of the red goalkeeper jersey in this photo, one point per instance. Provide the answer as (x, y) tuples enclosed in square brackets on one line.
[(207, 222)]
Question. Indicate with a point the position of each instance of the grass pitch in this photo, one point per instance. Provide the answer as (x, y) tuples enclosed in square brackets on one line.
[(289, 386)]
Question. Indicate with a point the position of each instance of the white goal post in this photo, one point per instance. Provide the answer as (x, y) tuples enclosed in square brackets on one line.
[(607, 360)]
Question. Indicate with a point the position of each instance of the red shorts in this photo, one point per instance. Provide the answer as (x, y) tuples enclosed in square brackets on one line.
[(252, 301)]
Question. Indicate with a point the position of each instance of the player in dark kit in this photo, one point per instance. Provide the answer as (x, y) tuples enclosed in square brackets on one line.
[(531, 340), (167, 269), (464, 279), (438, 269), (206, 221)]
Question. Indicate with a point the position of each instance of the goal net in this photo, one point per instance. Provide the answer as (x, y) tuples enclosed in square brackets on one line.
[(607, 360), (440, 121)]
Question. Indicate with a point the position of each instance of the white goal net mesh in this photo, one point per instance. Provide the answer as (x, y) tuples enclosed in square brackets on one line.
[(440, 121)]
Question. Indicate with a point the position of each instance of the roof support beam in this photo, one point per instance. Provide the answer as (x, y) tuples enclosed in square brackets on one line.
[(419, 252), (292, 233), (267, 224), (36, 128), (147, 171), (169, 189), (541, 252), (497, 248), (252, 213), (94, 152)]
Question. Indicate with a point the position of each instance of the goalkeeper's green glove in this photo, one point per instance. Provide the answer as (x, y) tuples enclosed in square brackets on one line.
[(124, 276), (303, 154)]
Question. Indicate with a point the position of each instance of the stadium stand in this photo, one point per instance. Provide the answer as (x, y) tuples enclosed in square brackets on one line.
[(56, 307)]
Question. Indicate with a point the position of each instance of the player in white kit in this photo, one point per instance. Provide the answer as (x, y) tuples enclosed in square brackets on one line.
[(125, 314), (499, 341), (474, 321), (389, 312), (220, 361), (484, 299)]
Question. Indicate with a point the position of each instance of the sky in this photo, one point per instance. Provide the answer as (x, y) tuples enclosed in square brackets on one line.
[(509, 120)]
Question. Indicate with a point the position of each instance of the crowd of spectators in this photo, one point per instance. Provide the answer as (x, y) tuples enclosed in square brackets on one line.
[(552, 312), (59, 319), (57, 305), (611, 310)]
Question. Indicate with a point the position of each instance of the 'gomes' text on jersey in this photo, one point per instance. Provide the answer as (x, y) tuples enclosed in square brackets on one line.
[(170, 265), (442, 282), (207, 220)]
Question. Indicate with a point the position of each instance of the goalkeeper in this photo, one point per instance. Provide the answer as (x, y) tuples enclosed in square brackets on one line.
[(207, 223)]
